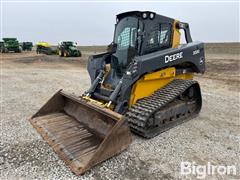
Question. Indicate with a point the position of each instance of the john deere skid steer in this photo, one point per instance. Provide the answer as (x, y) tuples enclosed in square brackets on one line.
[(144, 81)]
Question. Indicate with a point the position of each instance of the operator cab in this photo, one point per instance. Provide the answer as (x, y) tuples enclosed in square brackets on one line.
[(137, 33)]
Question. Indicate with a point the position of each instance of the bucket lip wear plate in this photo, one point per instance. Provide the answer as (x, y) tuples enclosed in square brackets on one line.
[(79, 146)]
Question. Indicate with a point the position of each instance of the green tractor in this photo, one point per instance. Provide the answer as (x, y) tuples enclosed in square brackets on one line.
[(68, 49), (10, 45), (27, 46)]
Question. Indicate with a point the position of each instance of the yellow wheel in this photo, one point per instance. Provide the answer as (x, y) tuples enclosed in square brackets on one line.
[(59, 53), (65, 54)]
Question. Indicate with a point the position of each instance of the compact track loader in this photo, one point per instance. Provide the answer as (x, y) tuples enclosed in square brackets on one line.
[(144, 81)]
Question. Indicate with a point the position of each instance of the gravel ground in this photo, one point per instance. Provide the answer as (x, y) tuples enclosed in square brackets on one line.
[(29, 80)]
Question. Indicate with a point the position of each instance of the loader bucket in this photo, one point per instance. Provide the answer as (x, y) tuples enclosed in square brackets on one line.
[(81, 133)]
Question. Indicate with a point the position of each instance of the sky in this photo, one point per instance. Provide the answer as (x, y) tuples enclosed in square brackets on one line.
[(92, 23)]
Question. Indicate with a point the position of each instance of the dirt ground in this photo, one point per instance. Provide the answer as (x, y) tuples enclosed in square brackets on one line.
[(28, 80)]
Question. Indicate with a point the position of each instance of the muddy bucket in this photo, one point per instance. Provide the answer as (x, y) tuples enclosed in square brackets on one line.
[(81, 133)]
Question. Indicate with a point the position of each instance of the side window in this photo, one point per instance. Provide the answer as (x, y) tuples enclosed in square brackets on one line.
[(153, 39), (159, 37), (165, 35)]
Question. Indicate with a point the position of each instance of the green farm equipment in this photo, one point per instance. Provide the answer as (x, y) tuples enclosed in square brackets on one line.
[(10, 44), (45, 48), (27, 46), (68, 49), (1, 45)]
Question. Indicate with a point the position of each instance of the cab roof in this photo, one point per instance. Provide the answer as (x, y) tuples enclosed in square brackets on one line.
[(140, 14)]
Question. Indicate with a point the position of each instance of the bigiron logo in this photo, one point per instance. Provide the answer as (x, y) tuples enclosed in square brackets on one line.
[(202, 171), (174, 57)]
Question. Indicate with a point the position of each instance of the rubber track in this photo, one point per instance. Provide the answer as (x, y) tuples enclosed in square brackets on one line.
[(139, 114)]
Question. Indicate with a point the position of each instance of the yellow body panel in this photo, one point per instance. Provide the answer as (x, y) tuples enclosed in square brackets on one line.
[(176, 36), (149, 83)]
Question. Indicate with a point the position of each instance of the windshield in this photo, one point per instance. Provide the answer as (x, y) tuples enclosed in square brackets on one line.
[(27, 43), (69, 43), (126, 33)]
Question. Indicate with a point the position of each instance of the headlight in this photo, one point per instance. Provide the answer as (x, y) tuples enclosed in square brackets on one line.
[(152, 15), (144, 15)]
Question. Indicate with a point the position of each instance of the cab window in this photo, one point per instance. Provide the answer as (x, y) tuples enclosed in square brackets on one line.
[(159, 38)]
